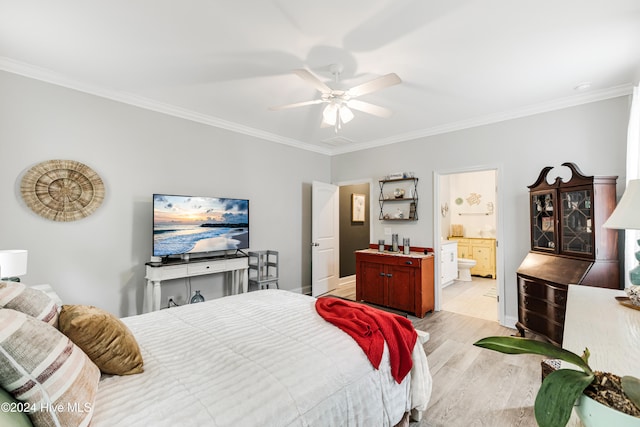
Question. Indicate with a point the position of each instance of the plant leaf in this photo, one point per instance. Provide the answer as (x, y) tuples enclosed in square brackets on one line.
[(558, 394), (631, 387), (517, 345)]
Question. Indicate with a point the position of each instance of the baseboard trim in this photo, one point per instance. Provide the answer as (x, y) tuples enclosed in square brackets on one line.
[(510, 322)]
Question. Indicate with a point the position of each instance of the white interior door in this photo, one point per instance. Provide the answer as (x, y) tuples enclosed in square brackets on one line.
[(324, 238)]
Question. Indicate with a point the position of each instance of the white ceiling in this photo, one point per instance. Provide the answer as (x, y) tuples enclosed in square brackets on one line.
[(225, 62)]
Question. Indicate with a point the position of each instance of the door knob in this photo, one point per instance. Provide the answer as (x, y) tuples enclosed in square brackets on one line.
[(315, 244)]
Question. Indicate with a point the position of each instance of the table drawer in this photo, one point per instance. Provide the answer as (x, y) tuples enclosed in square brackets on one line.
[(166, 273), (237, 263), (205, 268)]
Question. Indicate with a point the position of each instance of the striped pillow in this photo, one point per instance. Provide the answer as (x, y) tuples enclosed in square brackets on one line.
[(46, 370), (33, 302)]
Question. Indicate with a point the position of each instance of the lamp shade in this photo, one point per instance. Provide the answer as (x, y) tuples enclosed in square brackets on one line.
[(626, 215), (13, 262)]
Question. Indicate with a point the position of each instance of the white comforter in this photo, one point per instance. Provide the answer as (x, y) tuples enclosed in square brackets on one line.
[(264, 358)]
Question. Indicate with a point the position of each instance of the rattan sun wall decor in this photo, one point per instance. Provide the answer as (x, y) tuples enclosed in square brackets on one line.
[(62, 190)]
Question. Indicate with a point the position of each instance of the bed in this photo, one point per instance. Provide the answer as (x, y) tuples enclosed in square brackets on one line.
[(263, 358)]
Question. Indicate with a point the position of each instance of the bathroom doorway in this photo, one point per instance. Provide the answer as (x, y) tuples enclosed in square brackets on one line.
[(467, 227)]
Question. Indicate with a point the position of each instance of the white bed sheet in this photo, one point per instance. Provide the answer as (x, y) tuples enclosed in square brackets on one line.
[(263, 358)]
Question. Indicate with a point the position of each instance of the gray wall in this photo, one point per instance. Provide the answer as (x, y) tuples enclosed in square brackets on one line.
[(593, 136), (99, 260)]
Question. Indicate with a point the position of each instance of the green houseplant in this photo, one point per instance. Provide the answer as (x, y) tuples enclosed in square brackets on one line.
[(561, 388)]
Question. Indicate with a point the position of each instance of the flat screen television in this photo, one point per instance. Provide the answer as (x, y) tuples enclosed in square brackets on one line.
[(192, 225)]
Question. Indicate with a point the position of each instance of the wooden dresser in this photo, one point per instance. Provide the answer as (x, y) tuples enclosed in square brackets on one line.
[(394, 280)]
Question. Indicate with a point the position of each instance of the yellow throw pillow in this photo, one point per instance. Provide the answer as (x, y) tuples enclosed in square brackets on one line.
[(103, 337)]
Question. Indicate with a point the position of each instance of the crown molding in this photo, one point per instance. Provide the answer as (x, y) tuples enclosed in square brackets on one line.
[(26, 70), (529, 110), (37, 73)]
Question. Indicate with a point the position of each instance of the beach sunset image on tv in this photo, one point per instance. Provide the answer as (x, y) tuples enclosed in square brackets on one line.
[(186, 224)]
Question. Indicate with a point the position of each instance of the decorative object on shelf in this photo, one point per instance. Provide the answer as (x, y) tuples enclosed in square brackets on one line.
[(197, 297), (398, 193), (626, 216), (62, 190), (357, 207), (13, 263), (394, 175)]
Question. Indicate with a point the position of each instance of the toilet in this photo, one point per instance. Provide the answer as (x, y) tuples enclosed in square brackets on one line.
[(464, 269)]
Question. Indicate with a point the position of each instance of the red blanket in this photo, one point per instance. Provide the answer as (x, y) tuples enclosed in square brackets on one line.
[(370, 327)]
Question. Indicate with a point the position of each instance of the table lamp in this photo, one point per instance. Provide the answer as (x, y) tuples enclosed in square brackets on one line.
[(13, 263), (626, 216)]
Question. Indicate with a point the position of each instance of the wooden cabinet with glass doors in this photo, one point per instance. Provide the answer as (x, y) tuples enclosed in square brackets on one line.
[(568, 246)]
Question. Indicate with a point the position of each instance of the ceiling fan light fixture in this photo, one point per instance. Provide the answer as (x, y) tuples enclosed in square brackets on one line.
[(329, 114), (334, 113), (346, 115)]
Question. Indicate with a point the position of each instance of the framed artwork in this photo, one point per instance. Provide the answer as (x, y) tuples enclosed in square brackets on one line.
[(357, 207)]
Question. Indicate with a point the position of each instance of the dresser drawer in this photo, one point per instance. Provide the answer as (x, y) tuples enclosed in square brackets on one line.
[(529, 287), (555, 333), (533, 321), (557, 295), (556, 314), (533, 304)]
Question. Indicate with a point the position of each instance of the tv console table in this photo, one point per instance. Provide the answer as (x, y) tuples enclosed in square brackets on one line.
[(235, 268)]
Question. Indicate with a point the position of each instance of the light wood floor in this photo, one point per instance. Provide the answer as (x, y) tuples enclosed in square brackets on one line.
[(476, 298), (473, 386)]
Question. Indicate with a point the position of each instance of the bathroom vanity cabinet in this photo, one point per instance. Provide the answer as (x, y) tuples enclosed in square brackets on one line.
[(395, 280), (568, 246), (448, 262), (482, 250)]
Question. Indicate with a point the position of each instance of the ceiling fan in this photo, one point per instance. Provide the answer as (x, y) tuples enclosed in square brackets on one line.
[(341, 102)]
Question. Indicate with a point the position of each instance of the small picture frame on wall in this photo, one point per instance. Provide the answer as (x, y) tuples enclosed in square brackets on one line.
[(357, 207)]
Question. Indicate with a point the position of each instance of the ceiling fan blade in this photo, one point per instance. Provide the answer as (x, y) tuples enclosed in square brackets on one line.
[(375, 85), (311, 78), (297, 104), (372, 109)]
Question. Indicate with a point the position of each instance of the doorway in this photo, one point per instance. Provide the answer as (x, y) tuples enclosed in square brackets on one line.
[(467, 221)]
